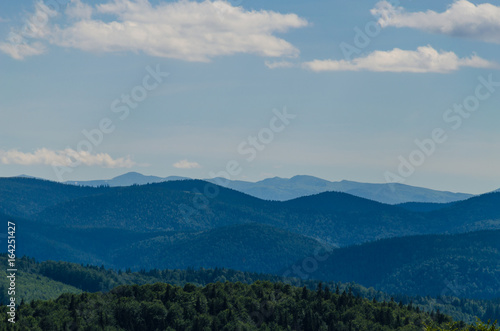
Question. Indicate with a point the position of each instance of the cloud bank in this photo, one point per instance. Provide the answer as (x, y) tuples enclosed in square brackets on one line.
[(186, 30), (185, 164), (424, 59), (461, 19), (67, 157)]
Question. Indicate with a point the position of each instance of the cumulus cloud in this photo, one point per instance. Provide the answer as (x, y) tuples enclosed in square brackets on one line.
[(461, 19), (185, 164), (424, 59), (21, 51), (67, 157), (79, 10), (186, 30), (24, 42)]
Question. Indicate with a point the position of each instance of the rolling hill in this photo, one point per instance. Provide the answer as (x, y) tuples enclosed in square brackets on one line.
[(423, 206), (461, 265), (334, 218), (247, 247), (24, 197)]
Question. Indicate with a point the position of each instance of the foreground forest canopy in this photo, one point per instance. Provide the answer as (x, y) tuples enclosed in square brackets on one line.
[(49, 279), (224, 306)]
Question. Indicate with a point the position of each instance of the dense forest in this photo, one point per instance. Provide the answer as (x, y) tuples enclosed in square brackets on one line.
[(463, 265), (49, 279), (222, 306)]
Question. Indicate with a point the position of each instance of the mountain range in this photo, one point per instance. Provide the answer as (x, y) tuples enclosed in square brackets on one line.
[(193, 223), (128, 179), (282, 189)]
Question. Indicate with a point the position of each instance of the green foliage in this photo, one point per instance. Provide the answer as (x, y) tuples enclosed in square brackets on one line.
[(456, 326), (33, 287), (24, 197), (461, 265), (49, 279), (220, 306), (246, 247)]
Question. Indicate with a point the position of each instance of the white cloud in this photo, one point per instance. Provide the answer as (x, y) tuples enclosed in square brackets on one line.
[(23, 42), (424, 59), (279, 64), (185, 164), (67, 157), (461, 19), (79, 10), (186, 30), (20, 51), (37, 25)]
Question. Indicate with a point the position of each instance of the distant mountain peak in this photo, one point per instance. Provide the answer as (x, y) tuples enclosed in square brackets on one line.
[(127, 179), (25, 176), (282, 189), (131, 174)]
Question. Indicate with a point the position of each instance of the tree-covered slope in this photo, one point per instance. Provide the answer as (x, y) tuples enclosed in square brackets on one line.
[(168, 206), (335, 218), (248, 247), (23, 197), (31, 284), (476, 213), (49, 279), (463, 265), (424, 206), (193, 205)]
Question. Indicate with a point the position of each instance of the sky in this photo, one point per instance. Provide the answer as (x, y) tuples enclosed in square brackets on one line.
[(371, 91)]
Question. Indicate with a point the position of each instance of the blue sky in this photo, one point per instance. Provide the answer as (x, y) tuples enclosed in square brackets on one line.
[(360, 100)]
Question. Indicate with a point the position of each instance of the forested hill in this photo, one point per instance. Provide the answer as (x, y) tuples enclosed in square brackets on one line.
[(24, 197), (336, 218), (246, 247), (186, 205), (463, 265), (480, 212)]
